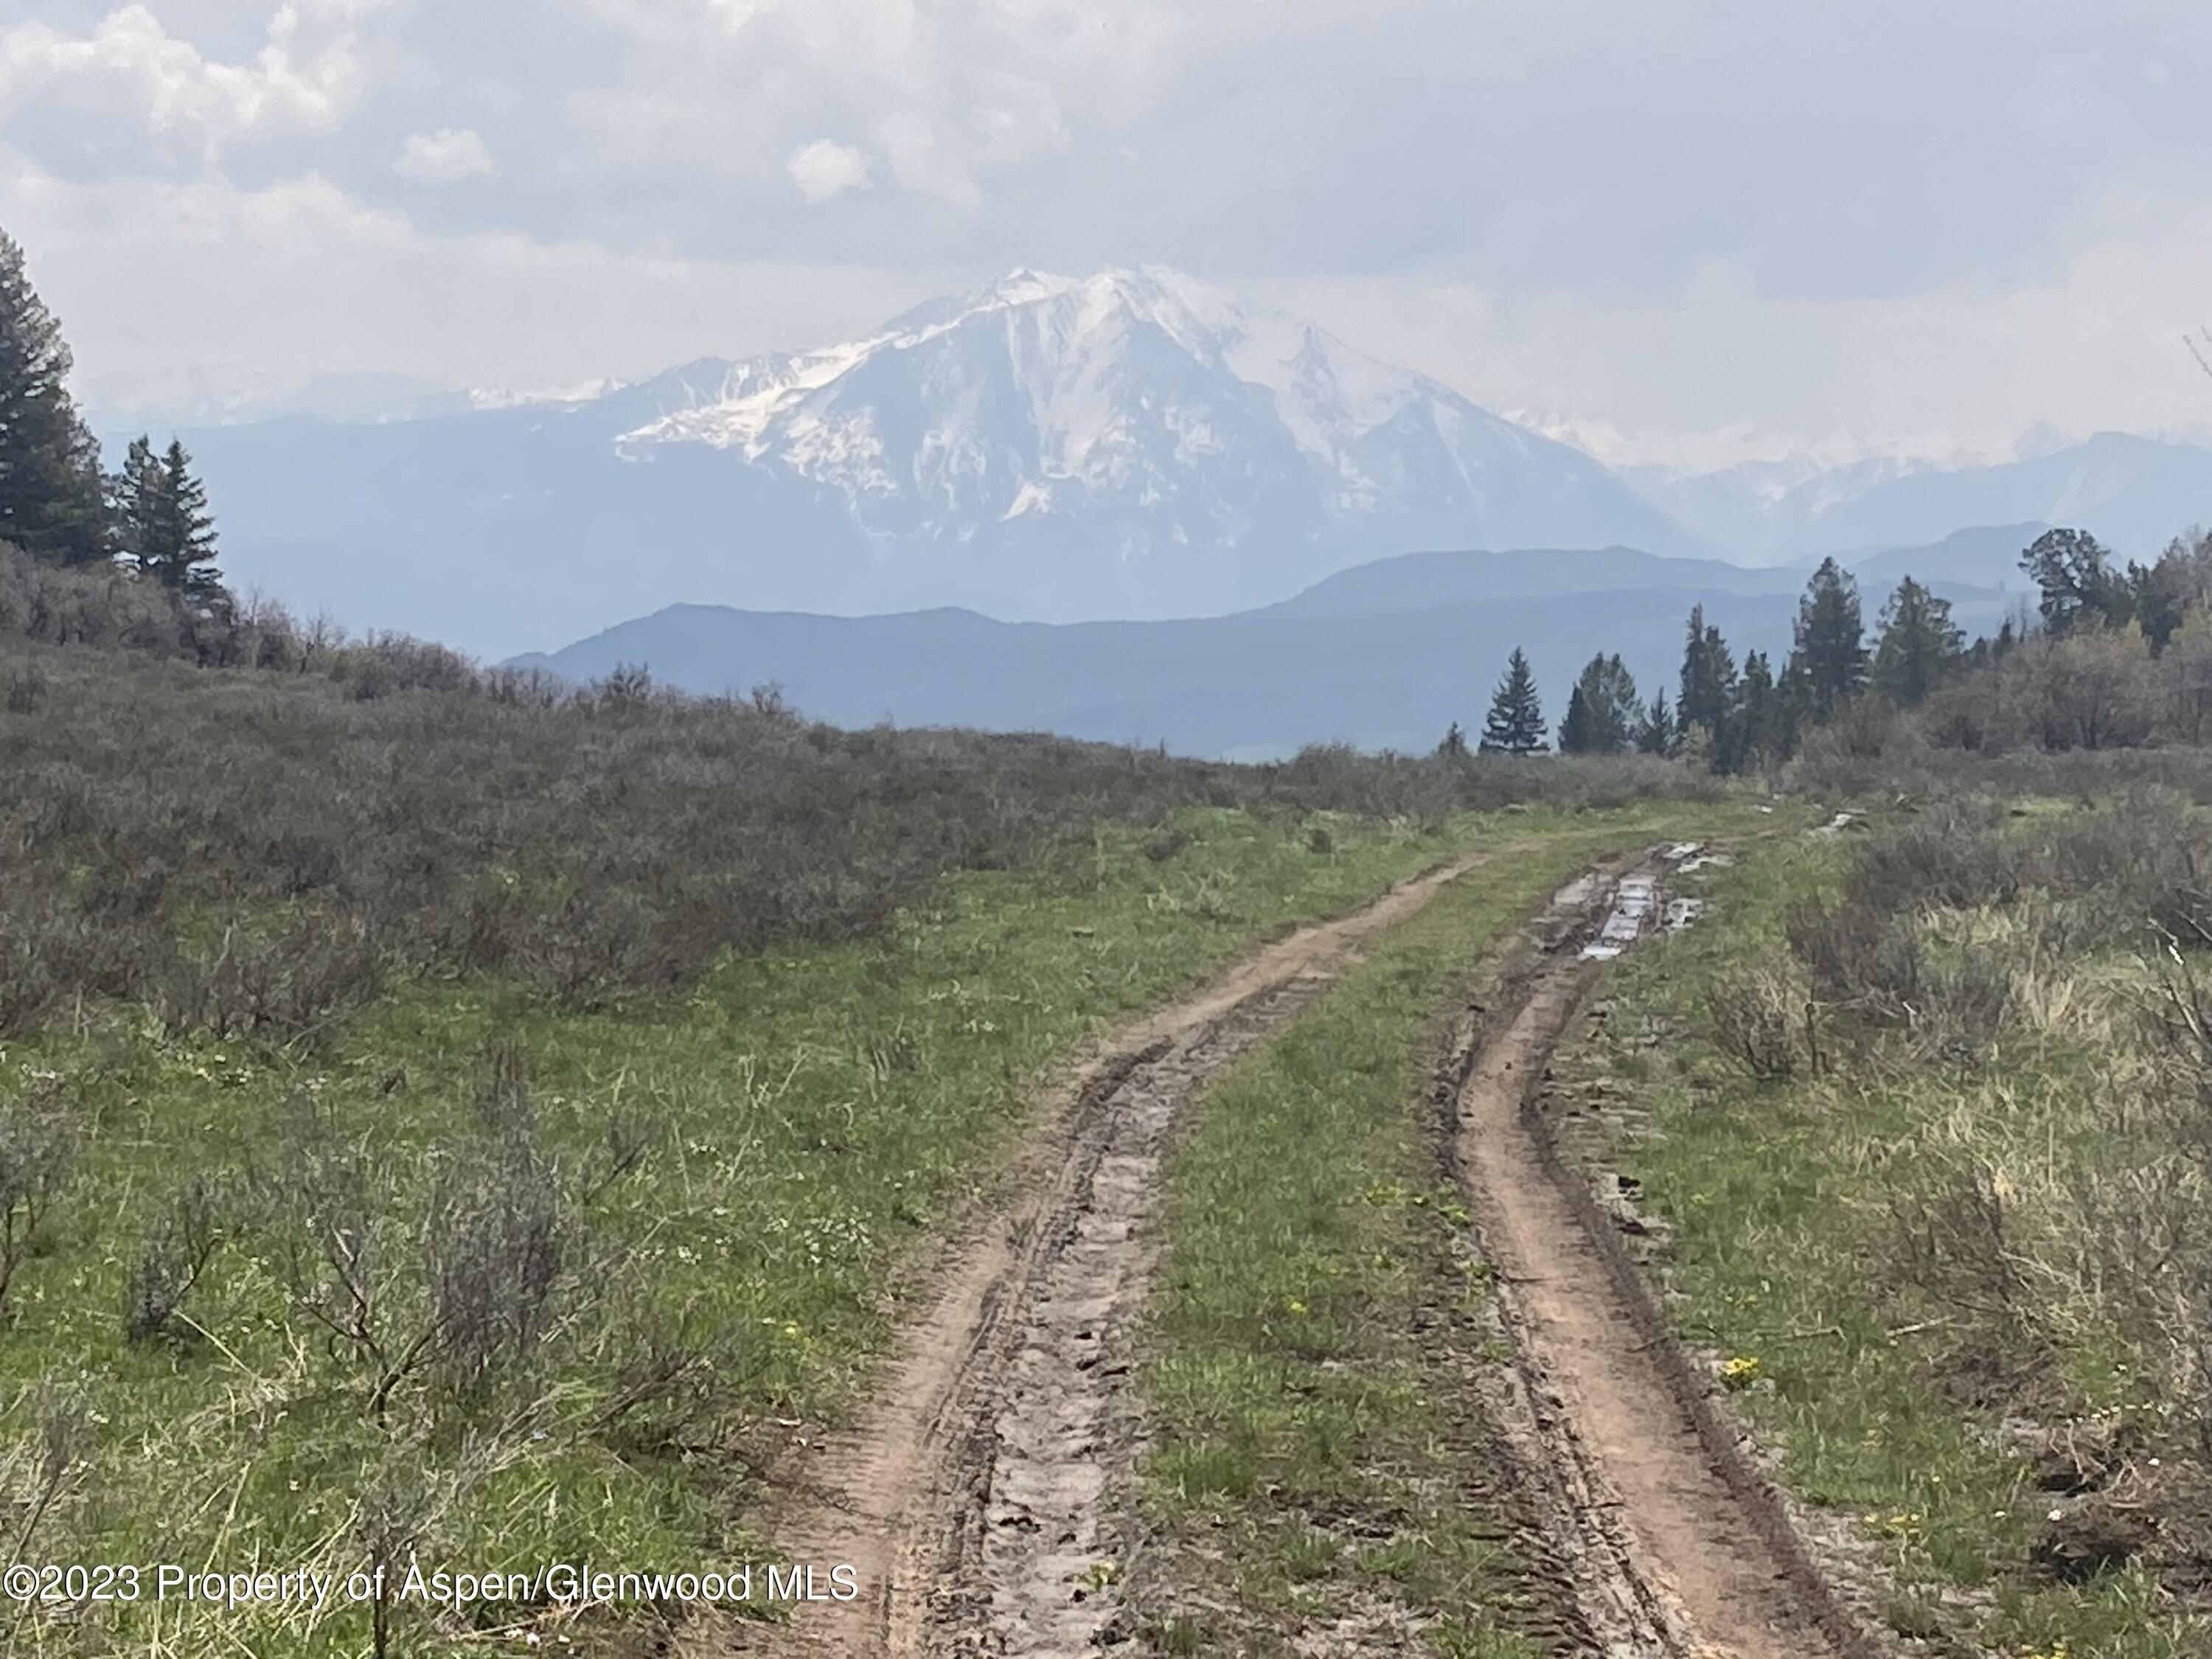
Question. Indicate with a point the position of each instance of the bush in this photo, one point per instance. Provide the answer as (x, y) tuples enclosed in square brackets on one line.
[(1766, 1023), (260, 844), (176, 1252), (38, 1155)]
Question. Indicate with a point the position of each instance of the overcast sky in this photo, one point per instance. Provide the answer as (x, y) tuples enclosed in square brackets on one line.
[(1891, 221)]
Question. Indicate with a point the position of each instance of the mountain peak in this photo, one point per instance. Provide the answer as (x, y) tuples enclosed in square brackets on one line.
[(1141, 413)]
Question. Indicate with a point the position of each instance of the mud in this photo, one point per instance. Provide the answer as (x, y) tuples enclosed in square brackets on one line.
[(980, 1495), (1686, 1549), (968, 1496)]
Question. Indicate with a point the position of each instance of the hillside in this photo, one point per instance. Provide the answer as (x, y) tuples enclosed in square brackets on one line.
[(1385, 656)]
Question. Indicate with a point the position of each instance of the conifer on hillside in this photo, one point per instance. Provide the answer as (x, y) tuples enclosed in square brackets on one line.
[(1919, 647), (1831, 645), (1603, 709), (52, 499), (1516, 724), (162, 522)]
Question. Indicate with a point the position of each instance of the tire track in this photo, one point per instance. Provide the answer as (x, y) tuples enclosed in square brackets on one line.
[(1684, 1544), (968, 1496), (976, 1493)]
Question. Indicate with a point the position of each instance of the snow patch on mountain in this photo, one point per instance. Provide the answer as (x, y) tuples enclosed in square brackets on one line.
[(1040, 395)]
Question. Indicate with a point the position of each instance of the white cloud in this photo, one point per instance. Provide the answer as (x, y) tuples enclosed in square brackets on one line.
[(825, 169), (444, 157), (164, 287), (1677, 217), (128, 71)]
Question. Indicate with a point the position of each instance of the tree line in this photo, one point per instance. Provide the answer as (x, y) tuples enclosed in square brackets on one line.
[(1738, 718), (2112, 655), (57, 501)]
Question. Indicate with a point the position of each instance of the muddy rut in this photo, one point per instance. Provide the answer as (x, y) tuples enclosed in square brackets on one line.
[(1682, 1547), (969, 1496), (980, 1496)]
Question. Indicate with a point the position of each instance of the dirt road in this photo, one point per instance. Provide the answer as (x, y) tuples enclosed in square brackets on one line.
[(976, 1497), (1680, 1537), (968, 1495)]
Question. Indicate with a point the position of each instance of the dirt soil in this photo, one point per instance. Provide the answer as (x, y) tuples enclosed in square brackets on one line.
[(980, 1494), (1683, 1548), (970, 1495)]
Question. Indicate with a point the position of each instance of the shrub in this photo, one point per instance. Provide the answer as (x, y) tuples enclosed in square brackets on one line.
[(1764, 1022), (1953, 854), (496, 1241), (262, 843), (175, 1253), (38, 1154)]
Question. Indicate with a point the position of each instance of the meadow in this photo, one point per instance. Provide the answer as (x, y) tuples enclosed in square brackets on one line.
[(1916, 1117), (436, 1127)]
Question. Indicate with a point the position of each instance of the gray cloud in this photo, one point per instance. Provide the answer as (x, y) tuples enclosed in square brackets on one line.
[(1557, 165)]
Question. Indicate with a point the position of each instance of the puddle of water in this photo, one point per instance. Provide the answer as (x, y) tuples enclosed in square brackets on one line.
[(1636, 906), (1633, 902)]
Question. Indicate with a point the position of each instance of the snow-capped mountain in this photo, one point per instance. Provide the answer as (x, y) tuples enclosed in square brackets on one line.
[(2133, 492), (1133, 443), (1141, 411), (1150, 426)]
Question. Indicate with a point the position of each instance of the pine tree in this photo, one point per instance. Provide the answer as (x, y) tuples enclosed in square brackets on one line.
[(1454, 746), (1656, 733), (1919, 647), (52, 502), (2078, 583), (177, 539), (1831, 650), (1603, 710), (1757, 740), (133, 494), (1708, 686), (1515, 724), (1576, 733), (2161, 596)]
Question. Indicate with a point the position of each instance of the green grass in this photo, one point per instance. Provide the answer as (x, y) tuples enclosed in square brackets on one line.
[(813, 1113), (1319, 1450), (1780, 1199)]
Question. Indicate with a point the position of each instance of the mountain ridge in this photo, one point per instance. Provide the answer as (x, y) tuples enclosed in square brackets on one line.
[(1131, 444), (1383, 656)]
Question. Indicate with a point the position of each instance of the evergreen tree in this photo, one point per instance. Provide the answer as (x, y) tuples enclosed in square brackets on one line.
[(1454, 746), (1758, 737), (1708, 687), (133, 494), (1655, 732), (2161, 596), (1793, 706), (1919, 647), (2079, 586), (52, 502), (163, 523), (1831, 648), (1515, 724), (1604, 711), (1578, 733)]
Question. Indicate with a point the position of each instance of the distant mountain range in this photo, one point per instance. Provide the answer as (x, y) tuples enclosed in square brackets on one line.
[(2136, 494), (1129, 445), (1386, 655)]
